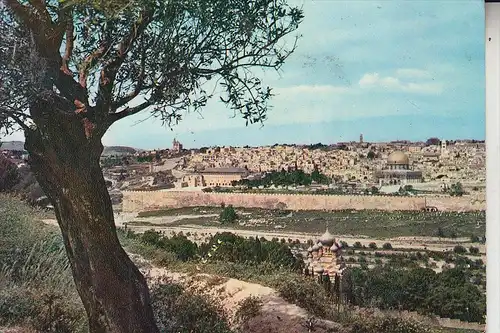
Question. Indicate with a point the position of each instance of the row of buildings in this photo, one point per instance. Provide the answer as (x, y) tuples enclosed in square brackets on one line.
[(366, 163), (397, 171)]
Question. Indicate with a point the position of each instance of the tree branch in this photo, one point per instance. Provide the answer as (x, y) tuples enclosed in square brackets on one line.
[(109, 71), (69, 47), (113, 117), (138, 87), (41, 9), (23, 13), (16, 116), (89, 62)]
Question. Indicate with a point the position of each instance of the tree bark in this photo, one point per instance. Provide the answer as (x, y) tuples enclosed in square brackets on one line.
[(66, 164)]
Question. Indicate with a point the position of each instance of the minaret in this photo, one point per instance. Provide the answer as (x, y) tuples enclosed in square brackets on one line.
[(361, 138), (444, 146)]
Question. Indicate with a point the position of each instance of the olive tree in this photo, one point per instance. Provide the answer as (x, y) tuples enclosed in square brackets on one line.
[(68, 71)]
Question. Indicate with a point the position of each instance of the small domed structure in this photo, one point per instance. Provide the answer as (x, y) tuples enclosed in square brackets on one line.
[(315, 248), (334, 248), (327, 239), (398, 171), (399, 158), (310, 249)]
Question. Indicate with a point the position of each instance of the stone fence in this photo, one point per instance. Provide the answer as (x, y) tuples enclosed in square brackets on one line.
[(134, 201)]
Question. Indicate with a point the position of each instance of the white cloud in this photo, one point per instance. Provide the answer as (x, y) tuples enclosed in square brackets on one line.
[(374, 79), (413, 73), (398, 82)]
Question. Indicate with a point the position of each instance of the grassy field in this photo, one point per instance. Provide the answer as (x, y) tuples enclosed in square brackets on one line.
[(370, 223)]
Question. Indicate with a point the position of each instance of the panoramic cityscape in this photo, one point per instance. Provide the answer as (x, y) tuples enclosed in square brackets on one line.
[(227, 167)]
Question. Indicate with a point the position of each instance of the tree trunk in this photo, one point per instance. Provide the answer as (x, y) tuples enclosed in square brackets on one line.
[(66, 164)]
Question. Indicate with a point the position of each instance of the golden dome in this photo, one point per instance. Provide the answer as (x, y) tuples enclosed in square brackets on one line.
[(398, 157)]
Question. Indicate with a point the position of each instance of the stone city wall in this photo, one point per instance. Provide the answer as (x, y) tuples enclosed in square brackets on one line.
[(134, 201)]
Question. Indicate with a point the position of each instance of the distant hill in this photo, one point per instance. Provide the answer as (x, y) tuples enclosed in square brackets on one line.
[(119, 150), (111, 150), (12, 145)]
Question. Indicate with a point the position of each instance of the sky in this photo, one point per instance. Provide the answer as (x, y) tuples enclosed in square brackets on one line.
[(391, 70)]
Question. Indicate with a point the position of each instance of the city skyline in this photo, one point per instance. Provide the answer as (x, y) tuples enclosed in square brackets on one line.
[(389, 70)]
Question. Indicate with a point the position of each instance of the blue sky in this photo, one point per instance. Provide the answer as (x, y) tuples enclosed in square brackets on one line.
[(388, 69)]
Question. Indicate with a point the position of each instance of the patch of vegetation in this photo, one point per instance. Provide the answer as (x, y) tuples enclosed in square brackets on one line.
[(36, 285), (180, 245), (179, 310), (228, 215), (286, 178), (379, 224), (389, 324), (248, 308), (449, 294), (37, 290), (179, 211)]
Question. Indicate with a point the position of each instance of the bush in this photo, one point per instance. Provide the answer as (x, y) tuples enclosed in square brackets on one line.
[(151, 237), (236, 249), (306, 294), (9, 175), (228, 215), (459, 249), (357, 245), (373, 245), (180, 245), (248, 308), (474, 250), (387, 246), (177, 310), (388, 324)]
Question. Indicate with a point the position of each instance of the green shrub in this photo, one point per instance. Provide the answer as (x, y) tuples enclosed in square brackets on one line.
[(373, 245), (248, 308), (306, 294), (389, 324), (357, 245), (459, 249), (180, 245), (177, 310), (228, 215), (474, 250), (151, 237), (387, 246)]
